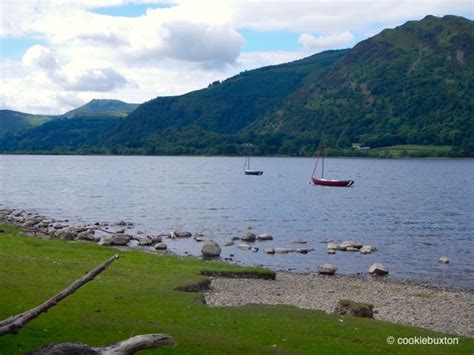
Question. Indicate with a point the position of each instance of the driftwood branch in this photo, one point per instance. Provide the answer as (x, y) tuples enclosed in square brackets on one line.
[(15, 323), (125, 347)]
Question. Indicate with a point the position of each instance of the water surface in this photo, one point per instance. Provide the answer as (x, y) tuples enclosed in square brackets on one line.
[(413, 211)]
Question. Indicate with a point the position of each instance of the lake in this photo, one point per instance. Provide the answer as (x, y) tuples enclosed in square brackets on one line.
[(413, 211)]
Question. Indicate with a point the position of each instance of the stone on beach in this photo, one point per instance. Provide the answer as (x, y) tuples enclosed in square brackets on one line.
[(68, 233), (211, 249), (161, 246), (228, 244), (115, 239), (303, 250), (327, 269), (244, 246), (349, 244), (264, 237), (356, 309), (269, 250), (444, 260), (249, 237), (378, 269), (87, 236)]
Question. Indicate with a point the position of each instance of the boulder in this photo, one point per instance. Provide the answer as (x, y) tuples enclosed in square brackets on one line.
[(356, 309), (269, 250), (65, 233), (58, 226), (86, 235), (145, 241), (352, 249), (327, 269), (264, 237), (244, 246), (333, 246), (444, 260), (211, 249), (181, 234), (331, 251), (366, 249), (346, 244), (378, 269), (303, 250), (199, 239), (161, 246), (249, 237), (228, 244), (30, 222), (120, 239)]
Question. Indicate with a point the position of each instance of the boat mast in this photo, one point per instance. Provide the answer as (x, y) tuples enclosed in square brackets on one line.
[(322, 153)]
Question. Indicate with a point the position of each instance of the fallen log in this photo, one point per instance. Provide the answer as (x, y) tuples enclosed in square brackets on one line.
[(15, 323), (124, 347)]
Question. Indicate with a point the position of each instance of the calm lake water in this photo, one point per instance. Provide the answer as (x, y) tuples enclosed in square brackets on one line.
[(413, 211)]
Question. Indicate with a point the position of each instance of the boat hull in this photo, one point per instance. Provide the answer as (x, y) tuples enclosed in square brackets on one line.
[(253, 172), (339, 183)]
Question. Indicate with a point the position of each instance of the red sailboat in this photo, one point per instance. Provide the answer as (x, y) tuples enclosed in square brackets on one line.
[(325, 182)]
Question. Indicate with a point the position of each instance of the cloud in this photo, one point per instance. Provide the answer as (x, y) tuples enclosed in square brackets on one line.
[(103, 79), (193, 42), (319, 43), (105, 39), (40, 57), (98, 80)]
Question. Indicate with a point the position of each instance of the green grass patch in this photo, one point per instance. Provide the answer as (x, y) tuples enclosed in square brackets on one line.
[(137, 295), (412, 151)]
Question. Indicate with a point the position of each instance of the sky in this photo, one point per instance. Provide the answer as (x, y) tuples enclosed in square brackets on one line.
[(56, 55)]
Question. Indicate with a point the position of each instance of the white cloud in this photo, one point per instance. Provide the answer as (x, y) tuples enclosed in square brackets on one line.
[(98, 80), (319, 43)]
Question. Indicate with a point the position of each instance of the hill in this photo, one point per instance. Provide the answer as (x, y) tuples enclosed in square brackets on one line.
[(409, 85), (14, 121), (102, 107)]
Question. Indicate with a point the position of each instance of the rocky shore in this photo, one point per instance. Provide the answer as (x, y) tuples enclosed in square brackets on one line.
[(444, 310)]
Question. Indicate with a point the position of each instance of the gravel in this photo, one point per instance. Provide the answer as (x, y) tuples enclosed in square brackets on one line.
[(444, 310)]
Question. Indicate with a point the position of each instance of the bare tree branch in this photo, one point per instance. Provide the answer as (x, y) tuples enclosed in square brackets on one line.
[(15, 323)]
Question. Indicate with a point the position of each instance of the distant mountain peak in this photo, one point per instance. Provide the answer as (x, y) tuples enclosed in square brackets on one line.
[(102, 107)]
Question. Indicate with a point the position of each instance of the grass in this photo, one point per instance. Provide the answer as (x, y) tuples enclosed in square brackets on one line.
[(137, 295), (412, 150)]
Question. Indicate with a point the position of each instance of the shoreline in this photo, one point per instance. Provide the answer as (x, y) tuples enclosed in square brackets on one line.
[(444, 310), (410, 302)]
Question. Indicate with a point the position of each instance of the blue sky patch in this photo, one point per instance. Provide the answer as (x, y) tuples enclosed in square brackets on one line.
[(130, 10), (270, 41), (15, 48)]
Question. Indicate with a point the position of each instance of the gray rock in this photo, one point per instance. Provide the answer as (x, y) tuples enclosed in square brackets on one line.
[(333, 246), (331, 251), (280, 250), (244, 246), (346, 244), (352, 249), (235, 238), (120, 239), (303, 250), (269, 250), (366, 249), (68, 233), (120, 231), (356, 309), (199, 239), (249, 237), (211, 249), (181, 234), (378, 269), (86, 235), (161, 246), (58, 226), (228, 244), (327, 269), (145, 241), (264, 237), (444, 260)]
